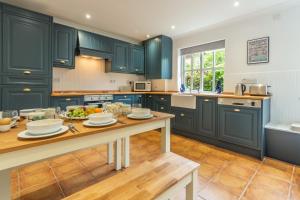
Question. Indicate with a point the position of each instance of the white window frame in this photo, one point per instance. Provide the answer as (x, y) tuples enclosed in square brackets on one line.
[(202, 70)]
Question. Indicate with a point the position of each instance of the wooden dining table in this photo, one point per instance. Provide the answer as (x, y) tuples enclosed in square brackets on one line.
[(15, 152)]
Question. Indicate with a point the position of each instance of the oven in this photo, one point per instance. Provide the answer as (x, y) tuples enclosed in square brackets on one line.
[(98, 100)]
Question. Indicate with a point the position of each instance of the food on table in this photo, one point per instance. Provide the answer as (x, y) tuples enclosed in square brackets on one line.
[(5, 121), (117, 108), (82, 111)]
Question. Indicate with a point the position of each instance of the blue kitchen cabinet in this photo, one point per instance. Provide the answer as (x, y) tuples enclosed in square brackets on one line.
[(64, 44), (126, 99), (240, 126), (162, 103), (26, 42), (63, 102), (206, 116), (184, 119), (158, 57), (137, 100), (137, 61), (0, 41), (95, 42), (24, 97), (148, 101), (26, 80), (120, 61)]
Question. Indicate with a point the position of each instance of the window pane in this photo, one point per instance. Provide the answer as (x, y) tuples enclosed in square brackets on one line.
[(207, 80), (187, 79), (196, 80), (187, 62), (208, 59), (196, 61), (220, 77), (220, 58)]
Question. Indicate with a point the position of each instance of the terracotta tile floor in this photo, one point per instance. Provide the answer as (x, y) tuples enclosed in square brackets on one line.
[(222, 175)]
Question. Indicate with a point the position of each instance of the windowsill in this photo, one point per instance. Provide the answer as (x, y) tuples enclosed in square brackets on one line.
[(200, 92)]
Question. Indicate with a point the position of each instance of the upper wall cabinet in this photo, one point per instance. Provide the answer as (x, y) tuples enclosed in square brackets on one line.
[(158, 57), (26, 42), (64, 44), (137, 61), (120, 62)]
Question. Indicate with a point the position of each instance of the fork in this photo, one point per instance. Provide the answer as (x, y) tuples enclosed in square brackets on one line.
[(73, 128)]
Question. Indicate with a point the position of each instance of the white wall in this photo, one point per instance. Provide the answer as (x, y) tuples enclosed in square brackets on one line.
[(89, 74), (283, 71)]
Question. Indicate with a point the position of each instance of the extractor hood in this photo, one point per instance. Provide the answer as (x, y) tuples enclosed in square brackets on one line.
[(93, 45)]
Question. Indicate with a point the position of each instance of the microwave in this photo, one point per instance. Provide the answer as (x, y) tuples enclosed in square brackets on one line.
[(142, 86)]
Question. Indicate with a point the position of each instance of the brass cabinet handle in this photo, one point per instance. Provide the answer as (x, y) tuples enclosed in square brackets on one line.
[(68, 99), (136, 70), (150, 96), (236, 110), (206, 100), (26, 89), (27, 72), (62, 61), (182, 115), (162, 98), (162, 108), (125, 96)]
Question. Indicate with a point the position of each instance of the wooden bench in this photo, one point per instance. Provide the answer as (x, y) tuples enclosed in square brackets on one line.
[(161, 178)]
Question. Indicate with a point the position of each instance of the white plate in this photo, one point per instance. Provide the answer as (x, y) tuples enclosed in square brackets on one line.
[(74, 118), (25, 134), (88, 123), (132, 116)]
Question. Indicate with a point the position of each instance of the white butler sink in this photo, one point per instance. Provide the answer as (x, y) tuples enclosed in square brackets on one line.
[(183, 101), (295, 127)]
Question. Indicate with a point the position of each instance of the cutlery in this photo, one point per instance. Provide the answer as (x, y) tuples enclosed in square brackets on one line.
[(72, 127)]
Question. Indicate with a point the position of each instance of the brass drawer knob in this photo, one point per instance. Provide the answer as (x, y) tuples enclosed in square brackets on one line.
[(162, 108), (68, 99), (27, 72), (206, 100), (182, 115), (26, 89), (162, 98), (62, 61), (236, 110)]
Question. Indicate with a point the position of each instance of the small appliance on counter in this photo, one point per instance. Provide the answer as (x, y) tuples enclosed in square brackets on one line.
[(142, 86), (240, 89), (98, 100), (259, 89)]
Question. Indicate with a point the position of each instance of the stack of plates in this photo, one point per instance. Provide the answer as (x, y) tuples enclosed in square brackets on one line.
[(140, 113), (99, 124), (133, 116), (43, 128)]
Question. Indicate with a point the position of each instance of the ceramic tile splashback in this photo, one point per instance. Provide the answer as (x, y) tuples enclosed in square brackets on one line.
[(285, 104), (89, 74)]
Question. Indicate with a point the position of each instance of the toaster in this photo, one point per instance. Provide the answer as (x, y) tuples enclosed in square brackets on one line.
[(259, 89)]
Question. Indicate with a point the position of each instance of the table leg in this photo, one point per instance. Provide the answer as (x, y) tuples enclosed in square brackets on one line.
[(191, 188), (5, 185), (126, 151), (165, 137), (118, 152), (110, 152)]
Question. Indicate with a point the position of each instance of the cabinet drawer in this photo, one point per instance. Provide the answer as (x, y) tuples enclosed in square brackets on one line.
[(239, 126), (162, 107), (162, 98), (25, 97), (25, 80)]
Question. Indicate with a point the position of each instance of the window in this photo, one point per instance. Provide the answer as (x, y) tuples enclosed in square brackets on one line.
[(202, 69)]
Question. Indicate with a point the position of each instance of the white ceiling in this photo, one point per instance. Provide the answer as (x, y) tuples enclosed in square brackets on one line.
[(137, 18)]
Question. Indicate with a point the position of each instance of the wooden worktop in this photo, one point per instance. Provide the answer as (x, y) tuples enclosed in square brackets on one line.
[(223, 95), (9, 141)]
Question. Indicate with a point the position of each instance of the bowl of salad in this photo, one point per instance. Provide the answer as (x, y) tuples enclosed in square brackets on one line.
[(80, 112)]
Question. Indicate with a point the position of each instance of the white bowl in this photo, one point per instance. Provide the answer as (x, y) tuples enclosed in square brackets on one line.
[(4, 128), (44, 126), (101, 117), (141, 112)]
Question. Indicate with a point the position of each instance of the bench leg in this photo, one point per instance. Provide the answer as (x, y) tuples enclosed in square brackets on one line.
[(191, 188), (126, 151), (118, 153), (110, 153), (5, 185), (165, 137)]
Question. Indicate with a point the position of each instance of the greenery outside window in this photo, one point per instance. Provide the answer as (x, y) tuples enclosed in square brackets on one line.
[(202, 70)]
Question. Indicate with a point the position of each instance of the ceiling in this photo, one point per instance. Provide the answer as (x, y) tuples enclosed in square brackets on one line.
[(137, 18)]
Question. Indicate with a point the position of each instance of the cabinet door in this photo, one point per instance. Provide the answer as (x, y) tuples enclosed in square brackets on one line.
[(153, 58), (26, 45), (137, 100), (106, 44), (120, 57), (137, 55), (63, 46), (239, 125), (22, 97), (184, 119), (63, 102), (161, 106), (149, 102), (206, 109)]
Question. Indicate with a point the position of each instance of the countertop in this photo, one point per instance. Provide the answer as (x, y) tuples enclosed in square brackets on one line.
[(223, 95)]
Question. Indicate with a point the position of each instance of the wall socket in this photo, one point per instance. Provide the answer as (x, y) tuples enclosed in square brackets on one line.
[(112, 81)]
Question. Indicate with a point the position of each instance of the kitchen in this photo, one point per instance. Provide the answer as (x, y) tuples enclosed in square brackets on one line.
[(235, 143)]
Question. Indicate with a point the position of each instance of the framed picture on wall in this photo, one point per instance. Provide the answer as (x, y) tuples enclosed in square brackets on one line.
[(258, 50)]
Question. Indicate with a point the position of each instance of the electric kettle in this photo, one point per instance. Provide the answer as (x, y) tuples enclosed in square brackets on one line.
[(240, 89)]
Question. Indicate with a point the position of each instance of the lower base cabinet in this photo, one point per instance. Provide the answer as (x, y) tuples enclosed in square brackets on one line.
[(206, 117), (23, 97), (63, 102), (239, 126), (184, 119)]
